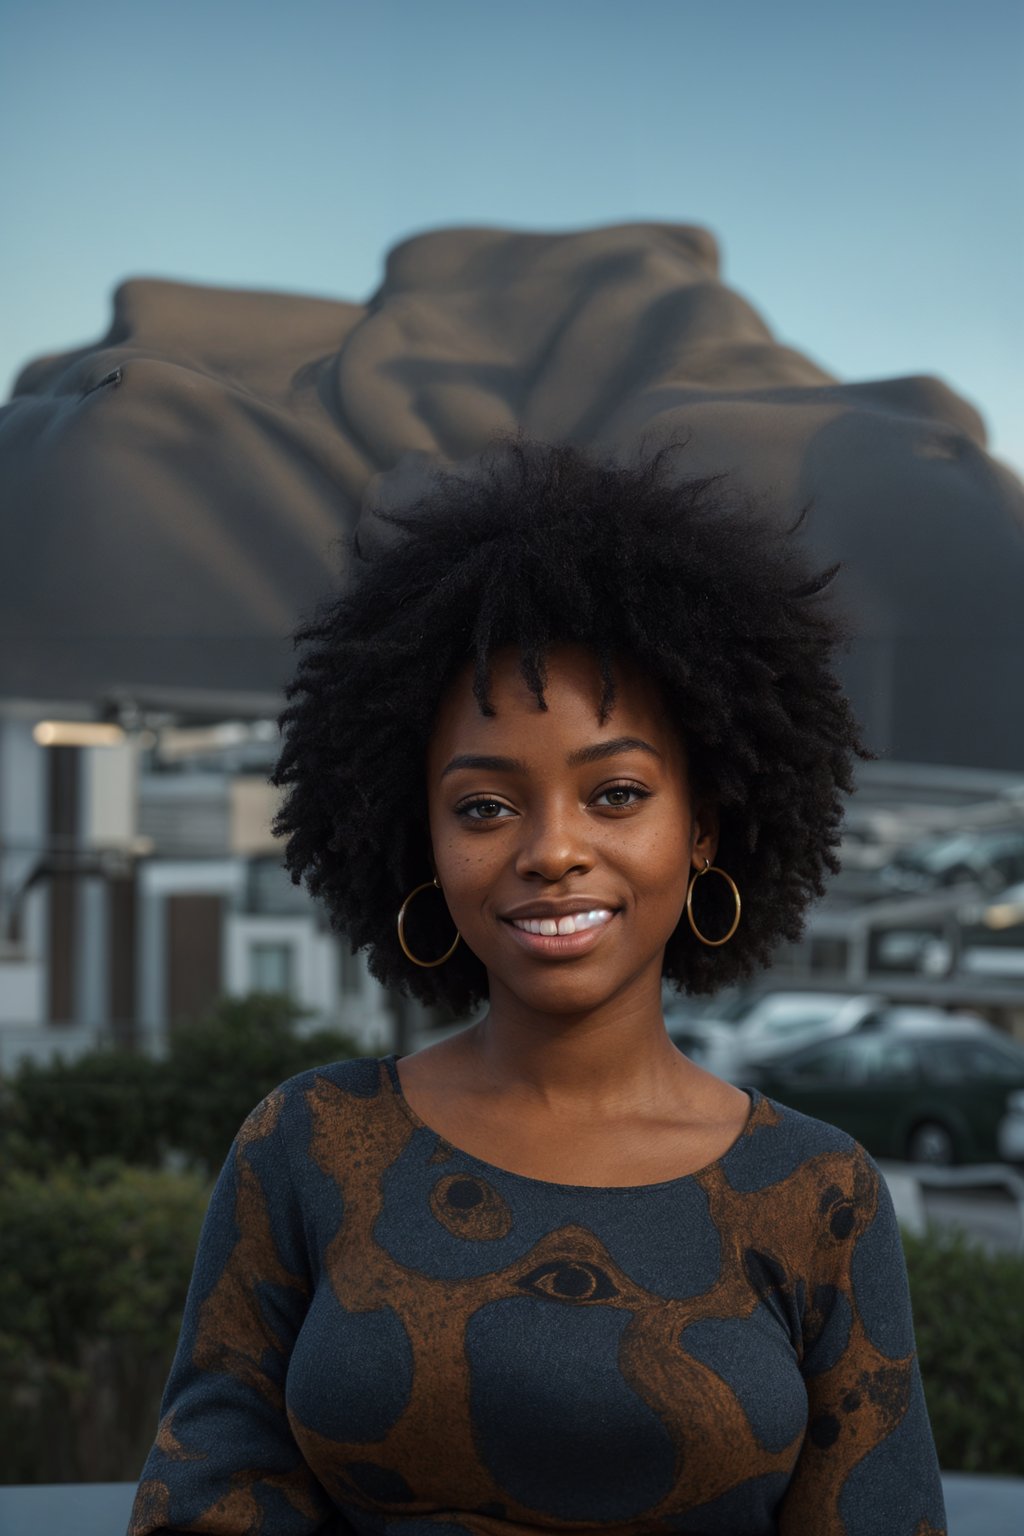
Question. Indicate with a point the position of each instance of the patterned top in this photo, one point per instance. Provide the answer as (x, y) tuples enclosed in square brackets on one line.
[(387, 1336)]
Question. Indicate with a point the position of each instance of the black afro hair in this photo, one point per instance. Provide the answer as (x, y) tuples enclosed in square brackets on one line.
[(535, 546)]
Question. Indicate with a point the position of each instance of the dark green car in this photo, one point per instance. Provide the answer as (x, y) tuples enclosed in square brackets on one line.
[(924, 1093)]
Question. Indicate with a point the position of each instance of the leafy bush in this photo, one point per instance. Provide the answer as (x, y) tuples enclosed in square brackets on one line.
[(97, 1254), (220, 1067), (969, 1319), (113, 1103), (97, 1263), (107, 1103)]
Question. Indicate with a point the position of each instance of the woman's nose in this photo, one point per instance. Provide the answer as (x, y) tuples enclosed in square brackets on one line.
[(555, 844)]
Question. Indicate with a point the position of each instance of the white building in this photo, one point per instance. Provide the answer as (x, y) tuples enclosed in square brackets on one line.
[(140, 881)]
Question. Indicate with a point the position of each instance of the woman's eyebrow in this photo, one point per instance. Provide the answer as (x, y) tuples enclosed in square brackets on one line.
[(602, 749), (577, 759), (488, 764)]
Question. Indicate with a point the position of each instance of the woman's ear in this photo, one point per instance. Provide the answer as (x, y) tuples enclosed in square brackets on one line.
[(705, 836)]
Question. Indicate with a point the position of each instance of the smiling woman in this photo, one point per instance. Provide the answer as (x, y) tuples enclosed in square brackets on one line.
[(539, 814), (571, 730)]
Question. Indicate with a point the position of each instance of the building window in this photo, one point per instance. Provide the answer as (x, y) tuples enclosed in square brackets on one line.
[(272, 968)]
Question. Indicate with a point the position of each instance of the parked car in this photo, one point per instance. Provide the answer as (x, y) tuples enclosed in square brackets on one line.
[(911, 1083), (990, 860), (757, 1028)]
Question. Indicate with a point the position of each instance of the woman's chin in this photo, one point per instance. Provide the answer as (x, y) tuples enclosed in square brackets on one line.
[(560, 993)]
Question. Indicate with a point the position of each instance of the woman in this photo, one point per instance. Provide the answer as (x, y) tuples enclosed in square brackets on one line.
[(574, 730)]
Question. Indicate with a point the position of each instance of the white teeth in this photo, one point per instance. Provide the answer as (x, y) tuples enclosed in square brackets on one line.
[(592, 919), (577, 923)]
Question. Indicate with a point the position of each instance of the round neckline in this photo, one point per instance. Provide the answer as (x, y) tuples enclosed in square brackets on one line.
[(755, 1096)]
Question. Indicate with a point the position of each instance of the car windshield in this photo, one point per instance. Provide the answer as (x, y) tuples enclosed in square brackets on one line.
[(786, 1015), (953, 1060), (874, 1059), (792, 1023), (830, 1063)]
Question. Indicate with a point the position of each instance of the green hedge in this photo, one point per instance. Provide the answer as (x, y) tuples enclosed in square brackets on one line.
[(103, 1104), (97, 1261), (220, 1067), (113, 1103), (97, 1253), (969, 1320)]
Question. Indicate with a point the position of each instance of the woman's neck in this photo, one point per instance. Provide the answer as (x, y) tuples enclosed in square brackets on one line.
[(613, 1059)]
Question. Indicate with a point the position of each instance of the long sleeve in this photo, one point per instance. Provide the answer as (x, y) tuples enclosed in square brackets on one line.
[(225, 1459), (868, 1465)]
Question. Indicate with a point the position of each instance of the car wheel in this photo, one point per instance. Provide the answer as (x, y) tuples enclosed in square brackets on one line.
[(931, 1142)]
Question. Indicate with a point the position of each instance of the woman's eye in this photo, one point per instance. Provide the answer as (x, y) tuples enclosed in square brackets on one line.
[(483, 810), (621, 795)]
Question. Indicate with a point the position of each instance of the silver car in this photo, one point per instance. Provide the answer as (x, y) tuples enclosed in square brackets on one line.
[(755, 1029)]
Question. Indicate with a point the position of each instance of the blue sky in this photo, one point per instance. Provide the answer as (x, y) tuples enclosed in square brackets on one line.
[(861, 165)]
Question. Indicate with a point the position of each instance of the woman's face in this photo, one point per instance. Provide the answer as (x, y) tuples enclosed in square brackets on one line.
[(545, 819)]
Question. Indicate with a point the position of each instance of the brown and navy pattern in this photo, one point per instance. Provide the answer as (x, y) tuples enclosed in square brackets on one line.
[(389, 1337)]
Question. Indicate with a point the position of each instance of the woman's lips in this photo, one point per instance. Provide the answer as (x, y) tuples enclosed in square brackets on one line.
[(587, 929)]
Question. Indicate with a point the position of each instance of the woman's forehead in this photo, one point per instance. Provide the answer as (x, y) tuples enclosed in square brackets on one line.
[(573, 693)]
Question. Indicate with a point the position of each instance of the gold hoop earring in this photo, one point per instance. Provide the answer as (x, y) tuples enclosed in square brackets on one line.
[(427, 965), (712, 869)]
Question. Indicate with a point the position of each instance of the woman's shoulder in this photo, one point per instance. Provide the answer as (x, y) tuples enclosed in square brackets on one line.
[(358, 1077), (782, 1144), (812, 1192), (802, 1131), (353, 1080)]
